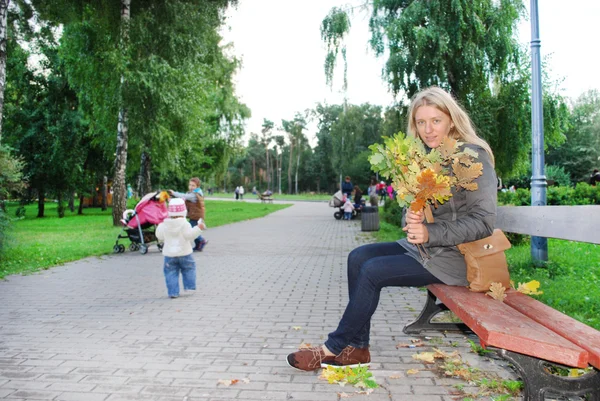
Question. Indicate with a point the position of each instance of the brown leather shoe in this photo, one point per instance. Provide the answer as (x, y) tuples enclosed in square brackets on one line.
[(351, 357), (308, 359)]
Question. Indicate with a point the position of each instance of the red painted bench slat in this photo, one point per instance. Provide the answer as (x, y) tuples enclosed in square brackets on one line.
[(573, 330), (487, 318)]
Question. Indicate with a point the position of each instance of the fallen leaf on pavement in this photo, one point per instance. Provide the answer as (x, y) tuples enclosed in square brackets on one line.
[(427, 357), (415, 345), (412, 371), (304, 345), (296, 328), (344, 395), (395, 377), (227, 382)]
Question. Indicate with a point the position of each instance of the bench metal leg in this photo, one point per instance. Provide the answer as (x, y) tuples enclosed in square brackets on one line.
[(430, 310), (538, 381)]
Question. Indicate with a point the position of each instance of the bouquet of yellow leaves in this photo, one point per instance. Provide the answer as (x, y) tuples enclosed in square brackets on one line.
[(422, 177)]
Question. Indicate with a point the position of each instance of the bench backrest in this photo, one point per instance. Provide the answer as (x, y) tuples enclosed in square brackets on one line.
[(574, 223)]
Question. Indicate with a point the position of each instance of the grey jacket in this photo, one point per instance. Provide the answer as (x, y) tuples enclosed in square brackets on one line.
[(467, 216)]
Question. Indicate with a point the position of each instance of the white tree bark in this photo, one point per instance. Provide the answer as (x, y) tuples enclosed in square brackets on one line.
[(3, 36), (119, 199)]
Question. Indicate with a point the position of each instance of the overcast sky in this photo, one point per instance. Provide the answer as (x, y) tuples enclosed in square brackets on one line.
[(282, 54)]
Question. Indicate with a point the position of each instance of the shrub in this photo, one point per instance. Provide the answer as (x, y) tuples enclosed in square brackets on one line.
[(392, 212), (582, 194), (558, 175), (4, 223)]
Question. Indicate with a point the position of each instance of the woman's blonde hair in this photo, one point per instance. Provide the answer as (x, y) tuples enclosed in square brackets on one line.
[(440, 99)]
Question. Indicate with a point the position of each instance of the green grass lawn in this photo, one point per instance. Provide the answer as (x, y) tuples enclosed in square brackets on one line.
[(36, 244), (570, 281), (276, 196)]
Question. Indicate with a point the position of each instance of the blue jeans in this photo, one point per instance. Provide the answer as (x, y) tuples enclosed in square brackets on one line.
[(198, 240), (370, 268), (347, 215), (173, 266)]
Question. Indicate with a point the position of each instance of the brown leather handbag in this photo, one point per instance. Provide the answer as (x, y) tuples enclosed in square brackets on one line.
[(485, 259)]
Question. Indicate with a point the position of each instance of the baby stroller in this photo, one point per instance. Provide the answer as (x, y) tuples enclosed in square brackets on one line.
[(140, 224), (337, 201)]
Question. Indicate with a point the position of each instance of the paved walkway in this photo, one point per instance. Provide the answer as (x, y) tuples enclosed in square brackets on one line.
[(102, 329)]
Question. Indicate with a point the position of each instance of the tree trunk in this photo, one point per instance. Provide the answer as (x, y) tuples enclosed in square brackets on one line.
[(268, 175), (80, 209), (279, 170), (104, 193), (41, 204), (297, 168), (119, 199), (290, 168), (72, 202), (3, 34), (61, 206), (144, 179)]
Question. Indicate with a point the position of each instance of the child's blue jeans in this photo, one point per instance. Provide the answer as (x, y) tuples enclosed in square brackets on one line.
[(347, 215), (173, 266)]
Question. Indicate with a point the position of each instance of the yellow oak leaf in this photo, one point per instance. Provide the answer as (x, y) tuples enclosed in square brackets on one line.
[(427, 357), (466, 174), (530, 288), (412, 371), (332, 375), (304, 345), (448, 147), (497, 291)]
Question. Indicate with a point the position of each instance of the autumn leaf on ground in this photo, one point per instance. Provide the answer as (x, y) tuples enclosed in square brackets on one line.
[(344, 395), (304, 345), (427, 357), (439, 354), (227, 382), (342, 375), (530, 288), (412, 371), (395, 376), (497, 291), (296, 328)]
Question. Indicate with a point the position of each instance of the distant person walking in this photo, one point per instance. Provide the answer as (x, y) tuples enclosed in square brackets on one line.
[(595, 177), (237, 193), (241, 192)]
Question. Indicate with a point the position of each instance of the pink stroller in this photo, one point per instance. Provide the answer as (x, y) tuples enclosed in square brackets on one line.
[(140, 224)]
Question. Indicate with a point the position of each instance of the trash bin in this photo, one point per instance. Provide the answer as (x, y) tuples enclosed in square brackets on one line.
[(369, 218)]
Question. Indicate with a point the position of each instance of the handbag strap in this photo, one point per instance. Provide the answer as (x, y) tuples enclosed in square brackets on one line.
[(428, 214)]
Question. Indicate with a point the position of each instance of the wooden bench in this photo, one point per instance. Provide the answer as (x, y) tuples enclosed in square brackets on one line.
[(524, 331), (265, 198)]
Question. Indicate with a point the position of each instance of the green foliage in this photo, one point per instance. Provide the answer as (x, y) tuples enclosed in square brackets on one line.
[(4, 226), (582, 194), (558, 175), (11, 173), (334, 27), (579, 154), (478, 349)]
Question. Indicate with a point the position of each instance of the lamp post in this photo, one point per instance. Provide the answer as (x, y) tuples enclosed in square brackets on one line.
[(539, 245)]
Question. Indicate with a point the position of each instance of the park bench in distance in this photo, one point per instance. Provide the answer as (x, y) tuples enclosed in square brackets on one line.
[(265, 198), (524, 331)]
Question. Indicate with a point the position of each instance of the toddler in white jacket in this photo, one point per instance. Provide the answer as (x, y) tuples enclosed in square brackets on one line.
[(178, 237)]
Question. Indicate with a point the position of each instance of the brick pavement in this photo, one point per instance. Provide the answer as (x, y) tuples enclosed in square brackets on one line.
[(102, 329)]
